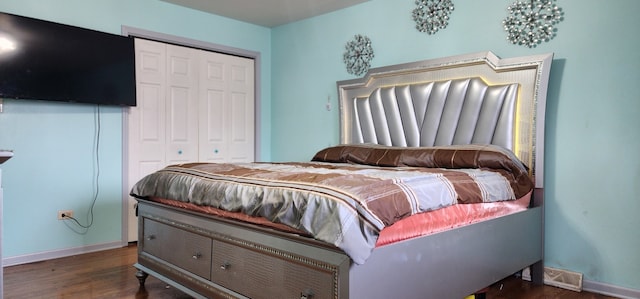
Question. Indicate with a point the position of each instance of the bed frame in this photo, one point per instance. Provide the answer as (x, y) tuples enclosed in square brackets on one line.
[(488, 100)]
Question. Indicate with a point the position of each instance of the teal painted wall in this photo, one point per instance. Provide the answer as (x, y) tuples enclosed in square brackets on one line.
[(591, 116), (53, 142), (592, 112)]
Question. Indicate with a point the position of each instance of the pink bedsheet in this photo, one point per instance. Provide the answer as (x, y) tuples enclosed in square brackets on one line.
[(414, 226), (448, 218)]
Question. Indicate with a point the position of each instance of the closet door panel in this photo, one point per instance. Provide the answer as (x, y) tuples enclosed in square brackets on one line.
[(242, 122), (182, 104), (212, 127), (150, 61), (150, 119), (241, 128), (146, 129), (227, 125), (213, 115), (147, 120)]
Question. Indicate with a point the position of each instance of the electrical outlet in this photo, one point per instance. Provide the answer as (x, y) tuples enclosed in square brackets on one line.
[(65, 214)]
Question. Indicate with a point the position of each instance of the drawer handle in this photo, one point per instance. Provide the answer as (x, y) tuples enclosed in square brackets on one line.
[(306, 294), (225, 266), (151, 237), (197, 256)]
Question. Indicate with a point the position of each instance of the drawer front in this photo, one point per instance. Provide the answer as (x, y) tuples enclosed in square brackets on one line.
[(187, 250), (259, 275)]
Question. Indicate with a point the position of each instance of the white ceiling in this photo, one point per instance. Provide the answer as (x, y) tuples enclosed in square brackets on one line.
[(268, 13)]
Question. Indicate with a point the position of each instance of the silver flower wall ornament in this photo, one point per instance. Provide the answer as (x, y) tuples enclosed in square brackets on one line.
[(432, 15), (358, 55), (532, 22)]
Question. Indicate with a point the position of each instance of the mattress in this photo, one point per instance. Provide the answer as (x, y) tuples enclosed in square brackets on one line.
[(418, 225), (348, 194)]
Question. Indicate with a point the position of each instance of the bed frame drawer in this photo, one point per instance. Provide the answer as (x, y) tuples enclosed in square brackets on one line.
[(258, 275), (240, 263), (189, 251)]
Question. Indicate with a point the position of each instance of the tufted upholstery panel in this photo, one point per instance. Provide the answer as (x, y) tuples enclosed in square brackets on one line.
[(461, 111)]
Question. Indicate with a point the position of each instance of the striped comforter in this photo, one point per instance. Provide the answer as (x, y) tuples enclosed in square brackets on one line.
[(347, 194)]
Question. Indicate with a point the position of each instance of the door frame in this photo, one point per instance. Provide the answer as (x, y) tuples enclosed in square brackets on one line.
[(187, 42)]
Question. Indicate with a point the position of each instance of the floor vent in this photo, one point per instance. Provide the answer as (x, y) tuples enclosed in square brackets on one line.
[(558, 278)]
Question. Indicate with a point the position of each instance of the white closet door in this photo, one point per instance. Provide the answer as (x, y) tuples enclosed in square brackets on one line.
[(193, 106), (226, 115), (182, 104), (147, 121), (242, 98)]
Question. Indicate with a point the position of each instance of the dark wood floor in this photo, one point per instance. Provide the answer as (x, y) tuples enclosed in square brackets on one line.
[(110, 274)]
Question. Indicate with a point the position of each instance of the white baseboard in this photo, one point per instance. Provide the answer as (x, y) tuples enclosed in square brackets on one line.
[(54, 254), (610, 290)]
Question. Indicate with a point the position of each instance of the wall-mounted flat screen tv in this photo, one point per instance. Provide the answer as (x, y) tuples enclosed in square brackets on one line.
[(43, 60)]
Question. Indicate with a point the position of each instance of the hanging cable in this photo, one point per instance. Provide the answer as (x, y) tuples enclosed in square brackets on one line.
[(96, 169)]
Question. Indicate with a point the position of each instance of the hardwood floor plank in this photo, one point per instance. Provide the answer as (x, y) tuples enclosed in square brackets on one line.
[(105, 274), (514, 287), (110, 274)]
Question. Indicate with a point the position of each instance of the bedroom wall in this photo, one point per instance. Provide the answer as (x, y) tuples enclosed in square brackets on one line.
[(53, 164), (592, 111)]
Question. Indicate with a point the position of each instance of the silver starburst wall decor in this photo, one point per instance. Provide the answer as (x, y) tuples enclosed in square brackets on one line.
[(432, 15), (358, 55), (532, 22)]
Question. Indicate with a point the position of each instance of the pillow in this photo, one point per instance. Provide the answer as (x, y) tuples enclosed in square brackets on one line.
[(452, 156), (478, 156)]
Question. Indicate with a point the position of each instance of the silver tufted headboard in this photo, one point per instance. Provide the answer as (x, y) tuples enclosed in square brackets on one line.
[(467, 99)]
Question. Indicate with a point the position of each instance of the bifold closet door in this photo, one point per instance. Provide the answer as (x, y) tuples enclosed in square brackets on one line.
[(193, 106), (227, 103), (163, 127), (182, 104), (147, 121)]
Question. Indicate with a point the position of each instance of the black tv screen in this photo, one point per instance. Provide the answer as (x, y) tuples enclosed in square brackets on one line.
[(44, 60)]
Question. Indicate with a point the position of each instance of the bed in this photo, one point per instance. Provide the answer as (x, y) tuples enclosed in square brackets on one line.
[(398, 124)]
